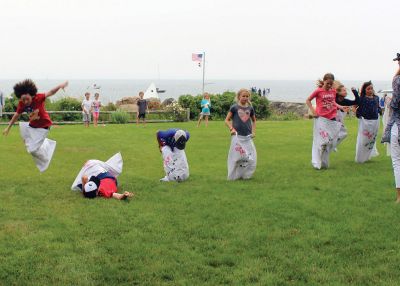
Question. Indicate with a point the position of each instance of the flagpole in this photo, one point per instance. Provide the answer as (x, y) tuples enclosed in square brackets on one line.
[(204, 67)]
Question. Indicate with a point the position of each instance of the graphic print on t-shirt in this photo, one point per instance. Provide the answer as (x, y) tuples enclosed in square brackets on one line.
[(244, 115), (34, 115), (327, 101)]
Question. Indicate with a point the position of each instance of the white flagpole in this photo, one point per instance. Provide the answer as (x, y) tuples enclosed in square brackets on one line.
[(204, 67)]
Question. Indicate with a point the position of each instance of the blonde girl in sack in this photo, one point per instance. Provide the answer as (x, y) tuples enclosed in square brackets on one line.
[(241, 121)]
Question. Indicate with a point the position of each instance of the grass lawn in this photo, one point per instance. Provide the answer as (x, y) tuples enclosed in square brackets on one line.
[(289, 225)]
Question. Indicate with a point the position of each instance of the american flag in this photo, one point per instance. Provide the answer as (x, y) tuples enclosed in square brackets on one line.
[(197, 57)]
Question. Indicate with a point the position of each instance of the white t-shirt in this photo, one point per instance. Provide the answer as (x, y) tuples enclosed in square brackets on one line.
[(86, 104)]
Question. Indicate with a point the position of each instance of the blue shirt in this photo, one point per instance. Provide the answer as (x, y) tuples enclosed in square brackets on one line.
[(369, 108), (168, 138), (205, 109)]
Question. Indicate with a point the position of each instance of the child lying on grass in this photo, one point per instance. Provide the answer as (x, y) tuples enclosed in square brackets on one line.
[(98, 178), (102, 185)]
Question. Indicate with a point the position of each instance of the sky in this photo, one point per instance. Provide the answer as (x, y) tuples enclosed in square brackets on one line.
[(258, 40)]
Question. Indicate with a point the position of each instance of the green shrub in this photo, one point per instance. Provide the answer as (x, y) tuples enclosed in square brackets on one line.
[(221, 103), (109, 107), (11, 103), (120, 117), (65, 104), (177, 112)]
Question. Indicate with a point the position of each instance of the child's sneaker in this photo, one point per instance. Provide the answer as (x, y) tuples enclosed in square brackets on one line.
[(165, 179)]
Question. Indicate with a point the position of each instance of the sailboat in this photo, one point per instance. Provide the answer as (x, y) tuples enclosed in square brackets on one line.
[(151, 92)]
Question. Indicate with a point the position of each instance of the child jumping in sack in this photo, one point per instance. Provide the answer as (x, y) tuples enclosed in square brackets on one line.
[(242, 157), (35, 132), (326, 127), (368, 112)]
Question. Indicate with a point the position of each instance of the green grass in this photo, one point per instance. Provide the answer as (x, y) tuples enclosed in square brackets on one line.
[(289, 225)]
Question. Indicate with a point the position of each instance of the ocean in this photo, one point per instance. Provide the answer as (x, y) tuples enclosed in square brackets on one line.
[(113, 90)]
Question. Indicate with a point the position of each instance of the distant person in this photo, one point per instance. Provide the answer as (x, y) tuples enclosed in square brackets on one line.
[(142, 109), (242, 157), (2, 100), (96, 104), (382, 103), (259, 92), (326, 128), (172, 143), (205, 109), (393, 128), (264, 92), (86, 109), (368, 114), (34, 133)]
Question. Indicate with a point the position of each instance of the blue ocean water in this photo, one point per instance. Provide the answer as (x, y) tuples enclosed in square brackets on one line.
[(111, 90)]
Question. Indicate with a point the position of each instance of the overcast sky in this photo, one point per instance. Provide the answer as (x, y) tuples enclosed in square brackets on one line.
[(278, 39)]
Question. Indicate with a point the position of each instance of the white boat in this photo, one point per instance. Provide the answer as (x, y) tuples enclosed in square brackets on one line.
[(151, 92)]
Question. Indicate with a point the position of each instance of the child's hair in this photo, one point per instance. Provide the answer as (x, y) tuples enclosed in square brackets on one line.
[(206, 94), (87, 93), (24, 87), (140, 93), (327, 76), (364, 88), (242, 90), (338, 86), (96, 94)]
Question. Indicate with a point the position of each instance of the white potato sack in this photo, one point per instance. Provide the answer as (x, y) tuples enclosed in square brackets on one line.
[(325, 136), (175, 164), (366, 140), (37, 144), (242, 158), (113, 165)]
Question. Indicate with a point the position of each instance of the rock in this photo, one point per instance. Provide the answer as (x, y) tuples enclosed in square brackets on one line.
[(278, 107), (130, 103), (168, 101)]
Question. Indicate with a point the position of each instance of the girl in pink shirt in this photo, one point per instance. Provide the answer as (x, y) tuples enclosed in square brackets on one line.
[(326, 129), (325, 97)]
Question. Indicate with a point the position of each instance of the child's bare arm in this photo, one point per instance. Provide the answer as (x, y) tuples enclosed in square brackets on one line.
[(253, 128), (56, 89), (11, 123), (309, 104), (228, 122)]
